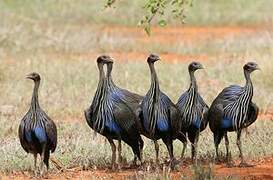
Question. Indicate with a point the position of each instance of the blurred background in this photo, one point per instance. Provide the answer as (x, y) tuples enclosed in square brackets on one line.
[(61, 40)]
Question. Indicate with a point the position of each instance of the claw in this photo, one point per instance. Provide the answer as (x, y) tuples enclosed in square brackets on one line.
[(173, 163), (230, 164), (115, 167), (244, 165)]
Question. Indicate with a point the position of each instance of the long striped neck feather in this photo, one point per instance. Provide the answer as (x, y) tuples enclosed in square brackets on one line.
[(247, 77), (193, 84), (101, 74), (248, 86), (35, 101), (110, 81), (99, 90), (154, 89)]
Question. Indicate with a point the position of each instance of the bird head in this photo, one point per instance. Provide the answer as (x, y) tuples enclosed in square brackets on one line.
[(104, 59), (153, 58), (34, 76), (251, 66), (194, 66)]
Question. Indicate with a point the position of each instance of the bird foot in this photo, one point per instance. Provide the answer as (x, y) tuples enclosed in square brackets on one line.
[(44, 175), (174, 163), (194, 161), (115, 167), (244, 165), (36, 174), (133, 164), (218, 160), (157, 167), (182, 158), (230, 164)]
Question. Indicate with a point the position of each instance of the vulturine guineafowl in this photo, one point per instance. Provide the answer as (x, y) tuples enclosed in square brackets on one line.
[(233, 110), (132, 100), (110, 116), (37, 132), (193, 110), (160, 118)]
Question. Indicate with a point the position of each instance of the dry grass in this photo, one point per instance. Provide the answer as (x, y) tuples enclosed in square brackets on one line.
[(67, 89), (63, 46)]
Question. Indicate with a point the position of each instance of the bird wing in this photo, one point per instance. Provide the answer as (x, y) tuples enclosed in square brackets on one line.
[(252, 114), (135, 97), (146, 115), (231, 94), (234, 107), (182, 100), (203, 110), (124, 116), (176, 119), (88, 116), (182, 104), (192, 107), (51, 131), (228, 96), (21, 133), (201, 102), (131, 99), (168, 112), (215, 116)]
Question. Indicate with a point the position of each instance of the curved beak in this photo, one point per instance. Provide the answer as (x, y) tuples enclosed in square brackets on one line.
[(201, 66), (258, 68), (29, 76), (158, 59), (110, 60)]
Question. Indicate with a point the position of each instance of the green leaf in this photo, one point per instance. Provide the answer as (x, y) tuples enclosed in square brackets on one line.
[(148, 30), (162, 23)]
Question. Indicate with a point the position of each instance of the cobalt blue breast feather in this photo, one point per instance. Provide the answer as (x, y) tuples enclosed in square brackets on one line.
[(226, 123)]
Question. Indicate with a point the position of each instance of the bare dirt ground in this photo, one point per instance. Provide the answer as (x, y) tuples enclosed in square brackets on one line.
[(167, 36), (263, 169)]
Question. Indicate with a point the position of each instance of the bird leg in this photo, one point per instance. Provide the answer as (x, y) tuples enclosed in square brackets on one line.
[(42, 155), (113, 147), (182, 137), (184, 149), (228, 155), (119, 153), (194, 147), (239, 144), (217, 139), (141, 145), (156, 152), (35, 164), (168, 142)]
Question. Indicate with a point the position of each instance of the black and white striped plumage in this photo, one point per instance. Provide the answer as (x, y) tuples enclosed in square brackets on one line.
[(160, 118), (233, 110), (110, 114), (193, 109), (37, 132)]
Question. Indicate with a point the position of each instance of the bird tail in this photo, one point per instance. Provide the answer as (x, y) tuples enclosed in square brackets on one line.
[(252, 115), (87, 116)]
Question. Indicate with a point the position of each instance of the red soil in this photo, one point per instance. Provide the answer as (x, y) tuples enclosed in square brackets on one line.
[(263, 169), (167, 36)]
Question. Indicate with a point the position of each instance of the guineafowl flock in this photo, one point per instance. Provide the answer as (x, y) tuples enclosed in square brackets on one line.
[(118, 114)]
